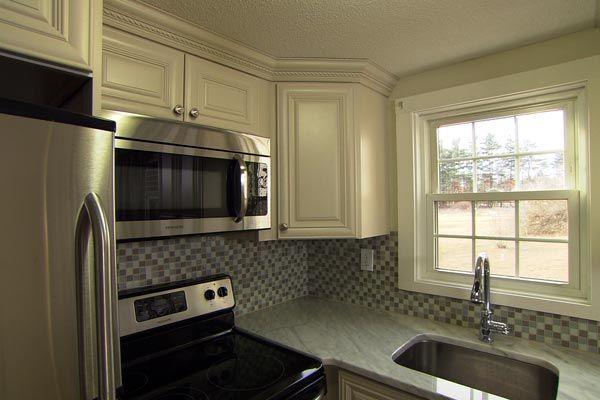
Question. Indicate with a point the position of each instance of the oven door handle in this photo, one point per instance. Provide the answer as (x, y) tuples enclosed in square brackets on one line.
[(243, 179)]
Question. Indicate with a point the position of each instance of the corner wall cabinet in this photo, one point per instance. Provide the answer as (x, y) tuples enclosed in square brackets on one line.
[(144, 77), (354, 387), (58, 31), (332, 161)]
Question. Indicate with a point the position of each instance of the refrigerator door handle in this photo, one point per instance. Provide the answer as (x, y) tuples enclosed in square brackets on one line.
[(92, 220)]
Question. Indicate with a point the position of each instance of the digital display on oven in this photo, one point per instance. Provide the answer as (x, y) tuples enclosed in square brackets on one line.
[(159, 306)]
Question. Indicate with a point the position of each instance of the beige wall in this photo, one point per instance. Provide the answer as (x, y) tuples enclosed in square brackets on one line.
[(555, 51)]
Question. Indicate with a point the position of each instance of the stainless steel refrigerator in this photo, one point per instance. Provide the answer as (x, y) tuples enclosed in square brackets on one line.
[(58, 318)]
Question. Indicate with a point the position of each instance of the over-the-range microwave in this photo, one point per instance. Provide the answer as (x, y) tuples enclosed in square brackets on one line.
[(174, 178)]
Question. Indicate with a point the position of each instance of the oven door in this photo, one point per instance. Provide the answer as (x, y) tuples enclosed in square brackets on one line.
[(164, 190)]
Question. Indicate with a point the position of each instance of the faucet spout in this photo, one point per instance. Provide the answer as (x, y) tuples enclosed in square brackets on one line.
[(480, 294)]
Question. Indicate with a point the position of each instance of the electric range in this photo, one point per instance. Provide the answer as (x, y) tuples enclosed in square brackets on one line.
[(179, 341)]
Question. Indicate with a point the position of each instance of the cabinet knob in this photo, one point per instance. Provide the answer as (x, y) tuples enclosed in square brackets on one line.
[(178, 109), (283, 227), (194, 113)]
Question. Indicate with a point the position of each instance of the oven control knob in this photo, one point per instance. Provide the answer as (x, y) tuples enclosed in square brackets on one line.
[(209, 294), (222, 291)]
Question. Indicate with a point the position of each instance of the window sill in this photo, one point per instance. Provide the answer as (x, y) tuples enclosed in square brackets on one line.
[(575, 307)]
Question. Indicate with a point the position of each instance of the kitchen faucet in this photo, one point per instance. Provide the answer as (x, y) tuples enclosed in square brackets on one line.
[(480, 294)]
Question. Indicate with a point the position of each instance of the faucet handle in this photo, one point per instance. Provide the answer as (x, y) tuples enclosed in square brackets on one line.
[(476, 292)]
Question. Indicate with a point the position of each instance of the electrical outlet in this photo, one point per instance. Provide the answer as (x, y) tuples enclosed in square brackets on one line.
[(366, 259)]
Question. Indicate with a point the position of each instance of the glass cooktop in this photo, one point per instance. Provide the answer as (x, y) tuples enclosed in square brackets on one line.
[(232, 366)]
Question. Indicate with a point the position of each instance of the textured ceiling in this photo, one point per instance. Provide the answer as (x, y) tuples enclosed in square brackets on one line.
[(402, 36)]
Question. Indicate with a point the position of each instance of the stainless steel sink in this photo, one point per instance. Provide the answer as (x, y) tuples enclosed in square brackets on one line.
[(492, 373)]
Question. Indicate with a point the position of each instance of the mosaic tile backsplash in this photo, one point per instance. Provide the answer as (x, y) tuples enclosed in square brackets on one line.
[(264, 273), (268, 273), (334, 273)]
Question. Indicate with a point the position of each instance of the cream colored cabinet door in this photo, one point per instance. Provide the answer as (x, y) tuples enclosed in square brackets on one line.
[(316, 156), (53, 30), (141, 77), (225, 98), (354, 387)]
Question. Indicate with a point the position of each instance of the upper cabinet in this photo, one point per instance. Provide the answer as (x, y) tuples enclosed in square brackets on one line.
[(332, 161), (58, 31), (223, 97), (143, 77)]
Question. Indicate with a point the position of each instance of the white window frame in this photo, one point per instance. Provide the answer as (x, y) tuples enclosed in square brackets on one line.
[(547, 102), (416, 119)]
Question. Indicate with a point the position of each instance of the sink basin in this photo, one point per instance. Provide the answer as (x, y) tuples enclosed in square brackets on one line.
[(497, 374)]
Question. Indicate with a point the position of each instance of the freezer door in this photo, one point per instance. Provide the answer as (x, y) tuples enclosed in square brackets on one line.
[(47, 170)]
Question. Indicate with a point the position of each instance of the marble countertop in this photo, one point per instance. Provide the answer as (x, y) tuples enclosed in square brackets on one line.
[(362, 340)]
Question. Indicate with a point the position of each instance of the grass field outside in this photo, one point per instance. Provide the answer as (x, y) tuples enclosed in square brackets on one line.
[(537, 260)]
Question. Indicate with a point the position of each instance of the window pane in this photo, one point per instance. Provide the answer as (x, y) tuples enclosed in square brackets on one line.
[(455, 141), (495, 218), (495, 136), (544, 219), (501, 254), (454, 217), (547, 261), (546, 171), (456, 176), (496, 174), (454, 254), (541, 131)]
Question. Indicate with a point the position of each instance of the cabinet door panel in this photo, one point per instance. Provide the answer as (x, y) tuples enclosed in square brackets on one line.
[(353, 387), (224, 97), (316, 145), (52, 30), (140, 76), (319, 138)]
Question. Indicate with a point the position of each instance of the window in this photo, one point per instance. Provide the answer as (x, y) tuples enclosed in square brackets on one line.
[(502, 172), (500, 185)]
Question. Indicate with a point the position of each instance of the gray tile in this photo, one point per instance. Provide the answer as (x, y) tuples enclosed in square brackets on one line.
[(268, 273)]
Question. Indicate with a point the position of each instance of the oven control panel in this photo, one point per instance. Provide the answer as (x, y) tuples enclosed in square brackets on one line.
[(162, 307)]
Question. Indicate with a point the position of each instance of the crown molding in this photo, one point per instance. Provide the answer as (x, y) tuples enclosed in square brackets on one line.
[(335, 70), (148, 22)]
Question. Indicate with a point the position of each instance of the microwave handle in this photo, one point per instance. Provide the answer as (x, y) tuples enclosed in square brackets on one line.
[(243, 188)]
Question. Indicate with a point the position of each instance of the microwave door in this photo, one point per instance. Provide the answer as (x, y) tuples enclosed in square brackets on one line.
[(165, 190), (189, 193)]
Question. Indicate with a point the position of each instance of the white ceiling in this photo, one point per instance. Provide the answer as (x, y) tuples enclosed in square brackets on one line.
[(402, 36)]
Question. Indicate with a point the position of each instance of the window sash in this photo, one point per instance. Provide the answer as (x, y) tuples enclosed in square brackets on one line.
[(571, 178), (507, 283)]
